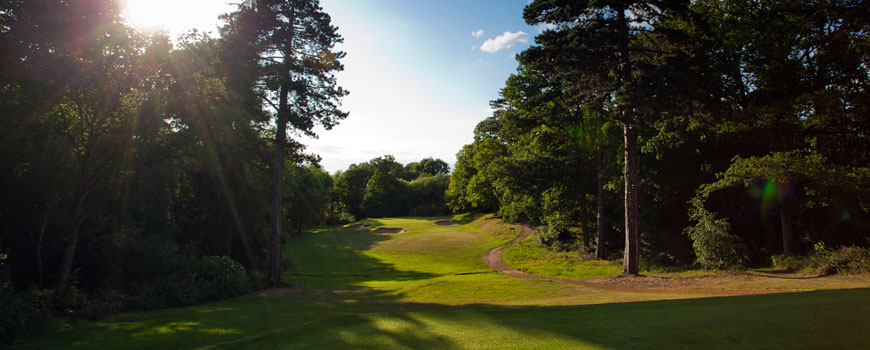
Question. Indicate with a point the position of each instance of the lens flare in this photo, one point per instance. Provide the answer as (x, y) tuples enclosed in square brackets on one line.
[(771, 192)]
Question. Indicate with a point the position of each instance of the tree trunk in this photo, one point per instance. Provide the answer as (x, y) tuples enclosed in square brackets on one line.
[(39, 269), (632, 237), (278, 188), (72, 239), (599, 249), (787, 229), (228, 248), (584, 224)]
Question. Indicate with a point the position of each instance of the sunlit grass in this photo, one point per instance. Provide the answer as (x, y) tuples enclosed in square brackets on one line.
[(529, 256), (429, 288), (825, 319)]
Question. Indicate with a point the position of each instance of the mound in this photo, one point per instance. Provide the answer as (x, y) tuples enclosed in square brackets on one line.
[(388, 230), (358, 227), (445, 222)]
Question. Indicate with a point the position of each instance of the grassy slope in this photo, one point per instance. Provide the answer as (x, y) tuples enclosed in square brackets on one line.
[(530, 257), (409, 291)]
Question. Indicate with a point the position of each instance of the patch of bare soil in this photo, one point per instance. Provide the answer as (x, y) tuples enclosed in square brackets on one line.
[(390, 230), (358, 227), (445, 222)]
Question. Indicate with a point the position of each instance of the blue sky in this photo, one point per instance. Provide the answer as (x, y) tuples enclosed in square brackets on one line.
[(419, 79)]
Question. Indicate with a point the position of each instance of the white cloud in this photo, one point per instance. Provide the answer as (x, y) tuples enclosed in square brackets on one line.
[(478, 33), (504, 41)]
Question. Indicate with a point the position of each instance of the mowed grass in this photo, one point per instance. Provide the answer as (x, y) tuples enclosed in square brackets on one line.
[(429, 288)]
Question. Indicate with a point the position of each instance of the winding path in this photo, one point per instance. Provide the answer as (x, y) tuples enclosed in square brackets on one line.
[(493, 260)]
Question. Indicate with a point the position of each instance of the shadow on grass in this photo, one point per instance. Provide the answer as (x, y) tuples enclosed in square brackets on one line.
[(464, 219), (337, 256), (337, 312), (362, 318), (783, 274)]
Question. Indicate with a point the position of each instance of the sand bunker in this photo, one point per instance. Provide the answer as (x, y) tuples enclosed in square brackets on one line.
[(358, 227), (390, 230), (445, 222)]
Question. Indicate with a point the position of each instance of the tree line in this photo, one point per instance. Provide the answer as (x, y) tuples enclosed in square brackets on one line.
[(139, 172), (721, 132)]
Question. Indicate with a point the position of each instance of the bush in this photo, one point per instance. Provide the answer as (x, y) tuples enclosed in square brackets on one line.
[(790, 262), (210, 277), (221, 277), (556, 236), (846, 260), (714, 246), (19, 313)]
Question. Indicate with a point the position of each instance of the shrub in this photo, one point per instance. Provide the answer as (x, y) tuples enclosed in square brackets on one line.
[(714, 246), (790, 262), (556, 236), (19, 313), (221, 277), (846, 260)]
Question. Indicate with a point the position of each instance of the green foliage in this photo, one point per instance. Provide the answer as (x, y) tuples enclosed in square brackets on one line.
[(845, 260), (427, 195), (350, 188), (220, 277), (557, 236), (714, 246), (308, 196), (385, 193), (19, 313), (789, 262), (815, 190), (426, 167), (379, 188)]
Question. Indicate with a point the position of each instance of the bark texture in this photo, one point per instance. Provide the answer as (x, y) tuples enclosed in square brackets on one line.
[(632, 237)]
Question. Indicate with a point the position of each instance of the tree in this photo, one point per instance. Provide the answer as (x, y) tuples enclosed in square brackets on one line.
[(787, 78), (91, 63), (309, 192), (294, 43), (385, 192), (426, 195), (596, 48), (350, 188), (428, 166)]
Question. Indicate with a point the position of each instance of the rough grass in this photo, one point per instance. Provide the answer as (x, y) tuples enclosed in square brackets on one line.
[(529, 256), (429, 288)]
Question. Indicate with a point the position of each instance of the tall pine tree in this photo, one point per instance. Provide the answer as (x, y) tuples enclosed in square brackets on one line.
[(597, 49), (294, 42)]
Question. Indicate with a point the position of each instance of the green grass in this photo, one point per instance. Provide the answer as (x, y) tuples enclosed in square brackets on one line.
[(529, 256), (360, 290)]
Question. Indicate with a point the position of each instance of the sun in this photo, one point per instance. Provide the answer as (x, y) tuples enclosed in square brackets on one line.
[(176, 16)]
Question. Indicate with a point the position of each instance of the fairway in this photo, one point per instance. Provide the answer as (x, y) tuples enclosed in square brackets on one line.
[(428, 287)]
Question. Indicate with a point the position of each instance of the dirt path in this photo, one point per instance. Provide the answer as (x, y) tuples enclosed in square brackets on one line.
[(493, 260)]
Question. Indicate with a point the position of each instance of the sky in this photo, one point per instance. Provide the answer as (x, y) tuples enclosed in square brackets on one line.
[(420, 73)]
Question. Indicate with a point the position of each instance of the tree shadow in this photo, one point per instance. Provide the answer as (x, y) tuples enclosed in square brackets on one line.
[(356, 317), (783, 274), (464, 219), (331, 307), (338, 256)]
